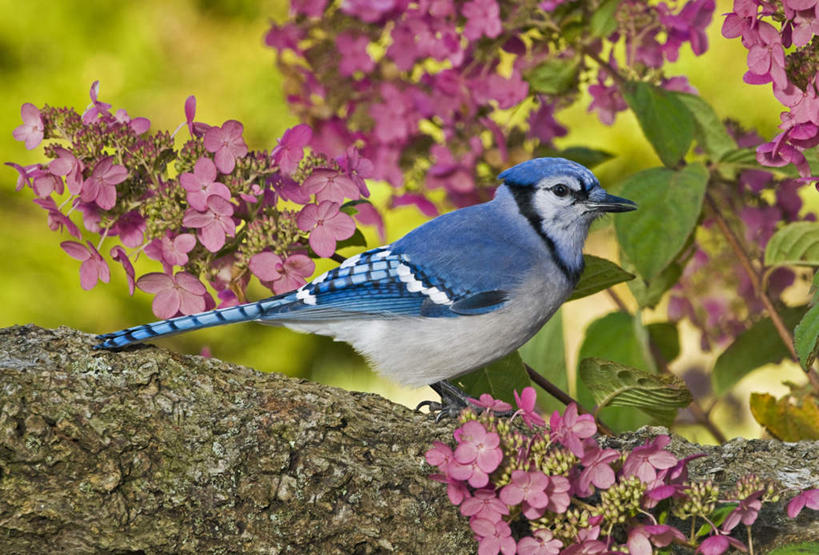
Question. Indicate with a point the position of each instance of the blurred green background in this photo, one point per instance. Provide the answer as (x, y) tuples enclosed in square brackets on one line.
[(150, 55)]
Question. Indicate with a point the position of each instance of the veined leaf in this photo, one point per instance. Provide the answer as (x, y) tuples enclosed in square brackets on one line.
[(666, 122), (649, 293), (709, 131), (783, 419), (598, 274), (617, 385), (796, 244), (499, 379), (670, 204), (806, 335), (666, 337)]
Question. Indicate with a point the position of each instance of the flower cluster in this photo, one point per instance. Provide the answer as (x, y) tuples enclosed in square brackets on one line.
[(531, 489), (443, 94), (224, 214), (782, 39)]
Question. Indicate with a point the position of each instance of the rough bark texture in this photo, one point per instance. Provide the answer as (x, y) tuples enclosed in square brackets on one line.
[(148, 450)]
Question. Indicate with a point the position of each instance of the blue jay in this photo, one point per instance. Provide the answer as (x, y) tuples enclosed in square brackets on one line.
[(451, 296)]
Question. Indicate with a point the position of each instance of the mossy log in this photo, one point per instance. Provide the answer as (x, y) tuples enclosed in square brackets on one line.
[(148, 450)]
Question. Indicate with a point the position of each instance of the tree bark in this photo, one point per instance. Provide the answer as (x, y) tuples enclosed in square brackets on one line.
[(148, 450)]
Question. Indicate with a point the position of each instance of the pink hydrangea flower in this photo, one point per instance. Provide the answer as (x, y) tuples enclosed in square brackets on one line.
[(353, 54), (571, 428), (56, 219), (195, 128), (717, 545), (484, 504), (357, 167), (482, 19), (25, 174), (32, 129), (326, 225), (606, 100), (479, 451), (174, 294), (808, 498), (596, 469), (641, 537), (44, 183), (310, 8), (93, 267), (330, 185), (494, 537), (213, 225), (202, 183), (526, 486), (171, 252), (282, 275), (119, 255), (226, 143), (486, 401), (137, 125), (100, 187), (541, 542), (290, 150), (527, 408), (130, 227), (746, 512), (766, 59), (97, 108), (426, 207), (645, 460), (67, 165)]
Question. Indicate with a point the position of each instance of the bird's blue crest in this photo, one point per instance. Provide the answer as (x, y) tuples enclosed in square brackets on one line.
[(530, 172)]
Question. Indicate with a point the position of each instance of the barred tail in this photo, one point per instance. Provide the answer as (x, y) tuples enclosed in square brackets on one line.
[(218, 317)]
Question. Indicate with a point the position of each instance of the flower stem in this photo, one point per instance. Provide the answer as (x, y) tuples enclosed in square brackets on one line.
[(756, 283)]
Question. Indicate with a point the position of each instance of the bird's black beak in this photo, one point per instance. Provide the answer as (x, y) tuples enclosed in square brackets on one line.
[(611, 203)]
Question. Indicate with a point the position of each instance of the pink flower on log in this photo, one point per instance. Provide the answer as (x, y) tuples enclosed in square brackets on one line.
[(478, 449), (202, 183), (213, 225), (100, 187), (32, 129), (484, 504), (290, 150), (527, 409), (93, 267), (227, 144), (571, 429), (495, 537), (808, 498), (282, 275), (174, 294), (645, 460), (326, 225), (541, 542)]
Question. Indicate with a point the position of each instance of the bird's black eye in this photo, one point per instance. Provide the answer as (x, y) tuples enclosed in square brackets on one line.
[(560, 190)]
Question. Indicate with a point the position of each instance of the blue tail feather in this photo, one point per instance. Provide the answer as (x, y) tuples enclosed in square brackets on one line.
[(211, 318)]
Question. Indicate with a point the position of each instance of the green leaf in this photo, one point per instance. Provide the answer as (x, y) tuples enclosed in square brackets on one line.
[(805, 336), (613, 337), (755, 347), (741, 156), (597, 275), (669, 203), (499, 379), (618, 385), (709, 131), (602, 22), (554, 76), (666, 122), (356, 240), (649, 293), (796, 244), (589, 157), (546, 354), (666, 338), (805, 548)]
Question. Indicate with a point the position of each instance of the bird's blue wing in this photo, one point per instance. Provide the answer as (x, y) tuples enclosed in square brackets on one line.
[(382, 284)]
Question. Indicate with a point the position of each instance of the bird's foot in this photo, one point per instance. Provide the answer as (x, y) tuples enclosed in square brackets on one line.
[(453, 401)]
